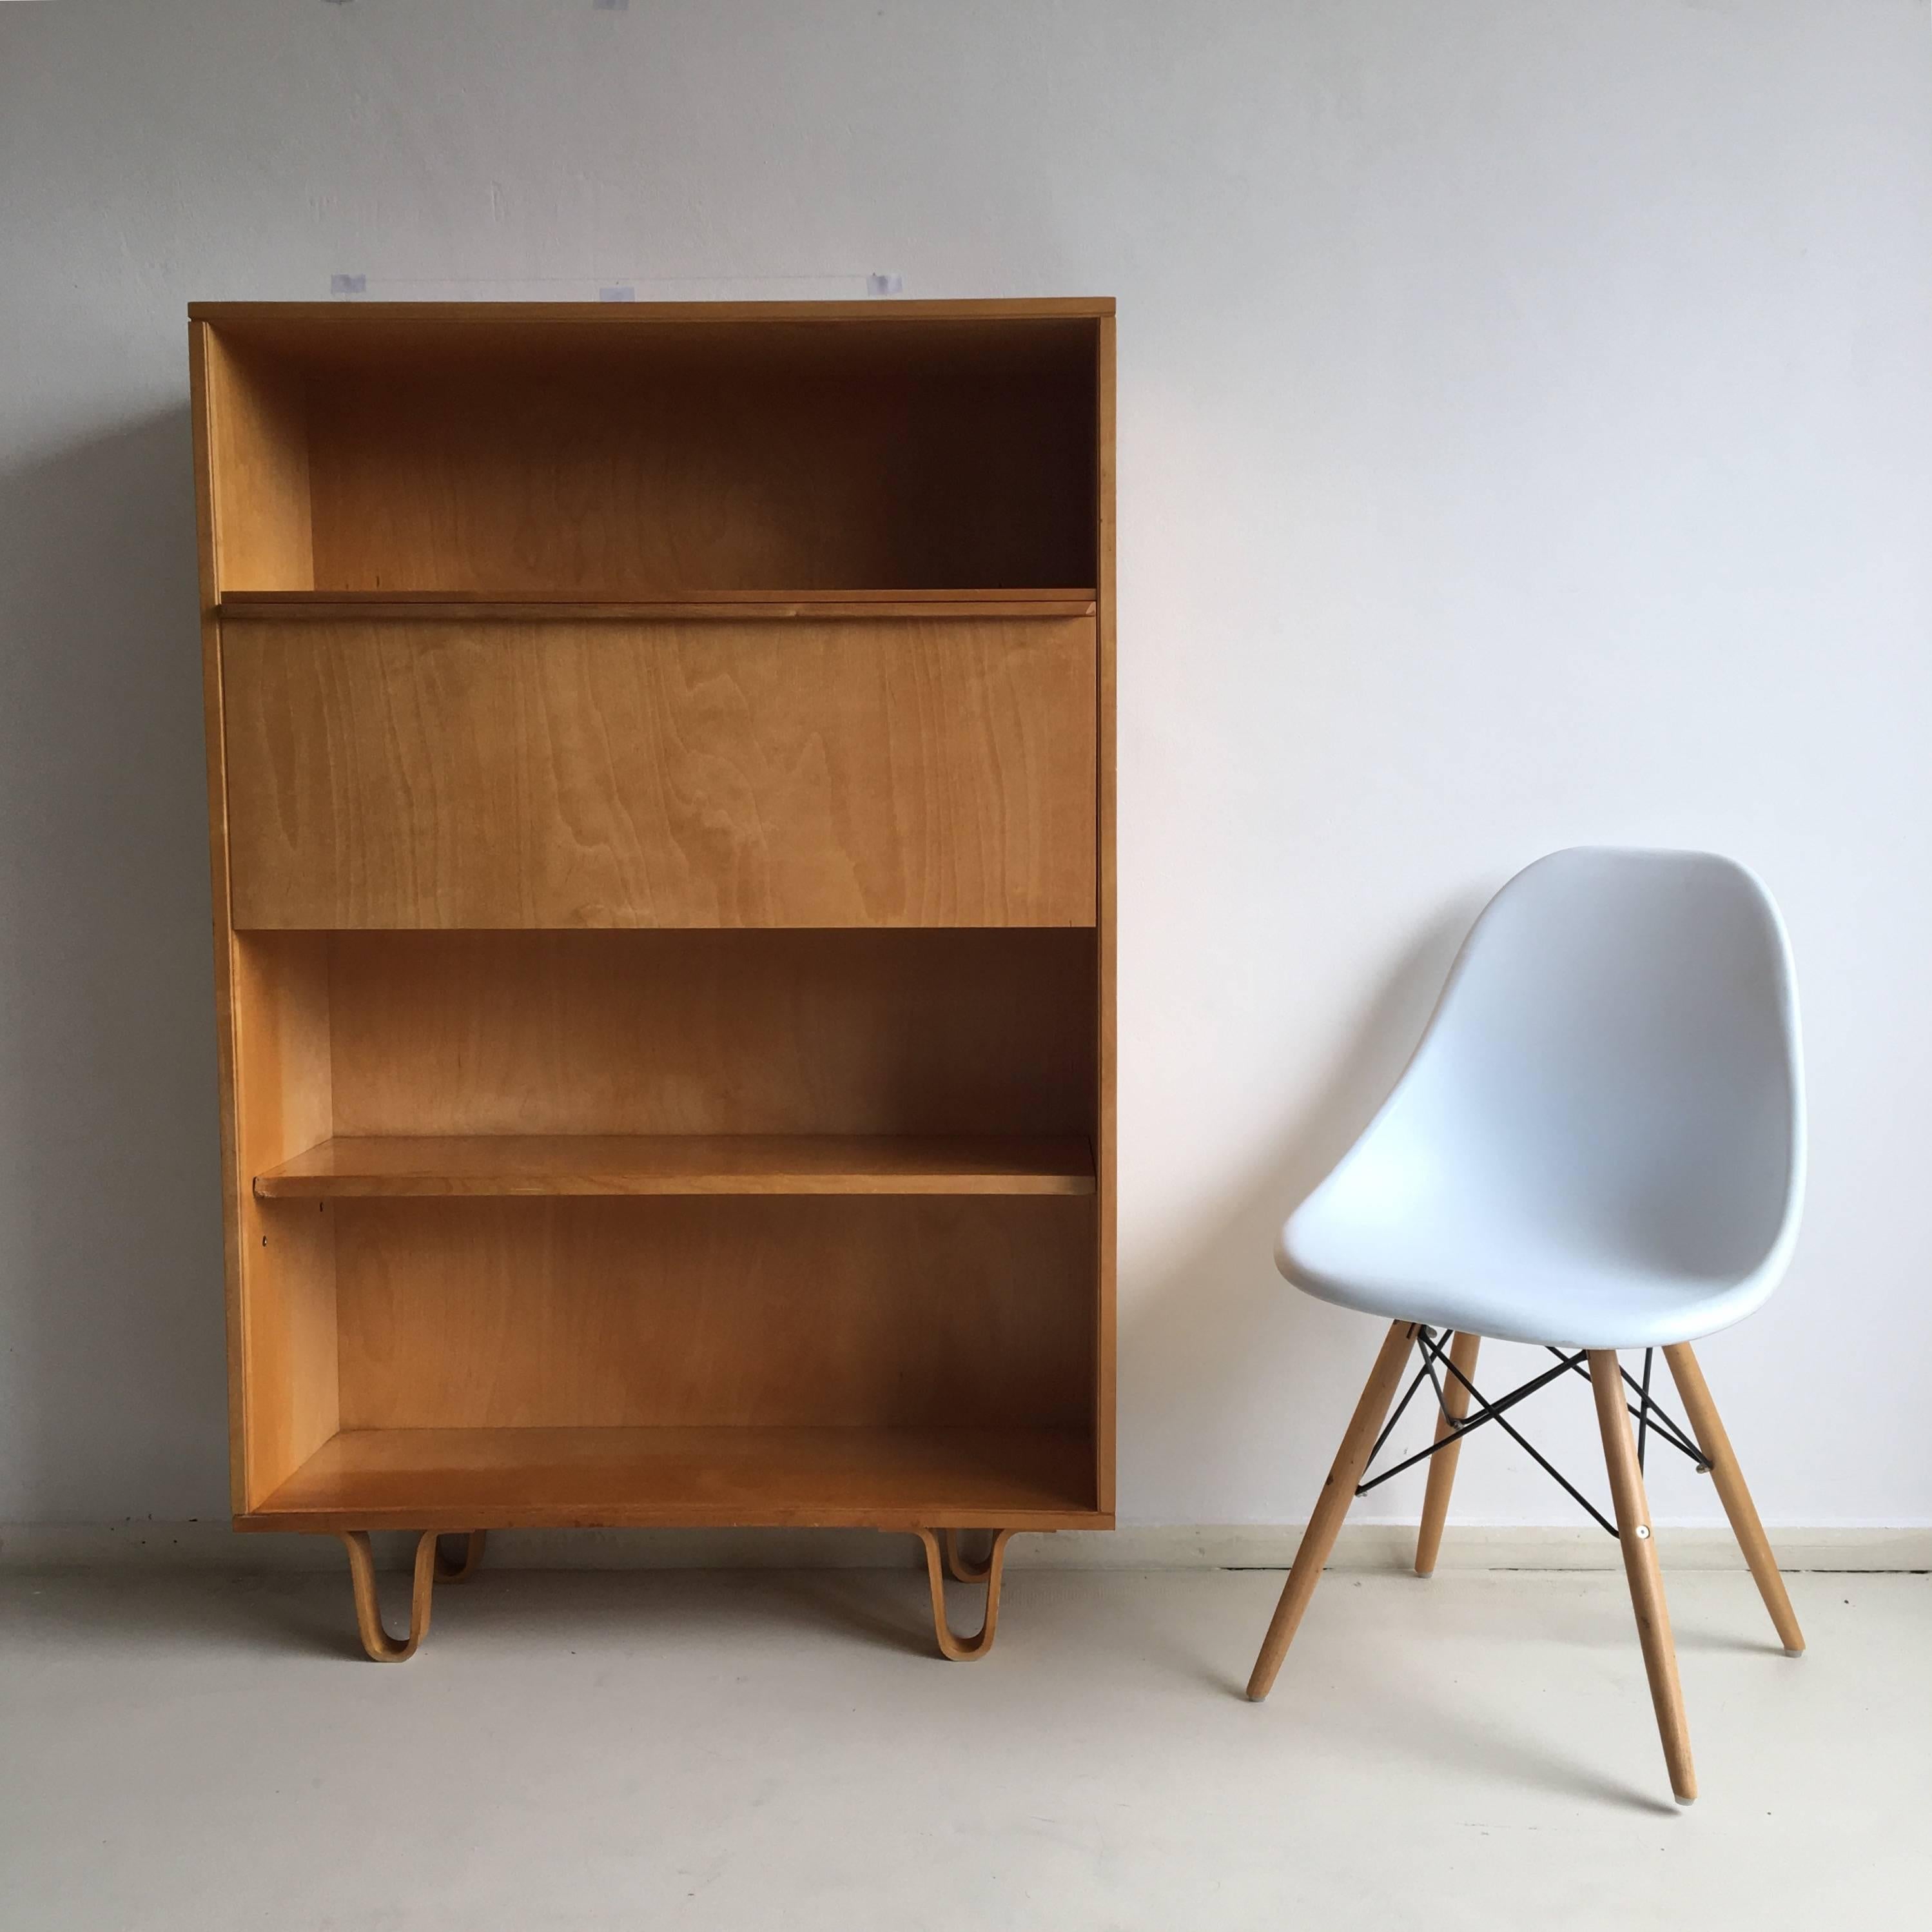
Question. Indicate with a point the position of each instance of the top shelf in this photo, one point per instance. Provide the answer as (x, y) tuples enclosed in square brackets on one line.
[(696, 606), (697, 456)]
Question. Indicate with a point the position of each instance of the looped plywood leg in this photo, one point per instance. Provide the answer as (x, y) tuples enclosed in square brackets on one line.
[(447, 1572), (958, 1565), (381, 1647), (955, 1649)]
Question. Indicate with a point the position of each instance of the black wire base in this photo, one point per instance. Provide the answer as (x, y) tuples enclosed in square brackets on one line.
[(1651, 1416)]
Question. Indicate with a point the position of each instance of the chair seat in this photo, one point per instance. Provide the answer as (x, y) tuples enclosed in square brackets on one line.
[(1600, 1138), (1515, 1284)]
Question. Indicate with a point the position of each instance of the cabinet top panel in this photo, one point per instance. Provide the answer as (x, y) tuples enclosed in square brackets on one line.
[(990, 307), (326, 329)]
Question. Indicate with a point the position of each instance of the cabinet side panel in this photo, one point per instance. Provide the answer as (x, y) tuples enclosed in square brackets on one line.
[(201, 384), (287, 1249), (432, 774), (1105, 1157), (258, 420)]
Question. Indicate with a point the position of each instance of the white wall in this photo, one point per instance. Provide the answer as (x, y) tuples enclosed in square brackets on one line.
[(1526, 439)]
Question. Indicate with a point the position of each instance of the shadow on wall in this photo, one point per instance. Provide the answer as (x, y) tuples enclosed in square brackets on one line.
[(111, 1400), (1227, 1371)]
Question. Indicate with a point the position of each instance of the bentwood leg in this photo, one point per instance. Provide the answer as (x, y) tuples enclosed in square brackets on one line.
[(1716, 1444), (1640, 1566), (965, 1650), (961, 1567), (472, 1554), (382, 1648), (1332, 1505), (1442, 1464)]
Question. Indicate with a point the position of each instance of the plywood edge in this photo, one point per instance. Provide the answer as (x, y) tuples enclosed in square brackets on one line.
[(623, 315), (452, 1520), (1106, 1156), (419, 1166), (202, 405), (732, 607)]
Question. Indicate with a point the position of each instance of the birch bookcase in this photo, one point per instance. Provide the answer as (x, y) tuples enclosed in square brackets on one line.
[(661, 775)]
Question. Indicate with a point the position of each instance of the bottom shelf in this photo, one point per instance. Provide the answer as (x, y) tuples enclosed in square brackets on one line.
[(689, 1478)]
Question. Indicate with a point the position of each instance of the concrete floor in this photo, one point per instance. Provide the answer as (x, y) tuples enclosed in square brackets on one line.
[(752, 1750)]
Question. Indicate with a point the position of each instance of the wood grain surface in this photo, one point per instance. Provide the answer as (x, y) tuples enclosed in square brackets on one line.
[(877, 1311), (449, 775), (986, 1031), (286, 1321), (462, 1479)]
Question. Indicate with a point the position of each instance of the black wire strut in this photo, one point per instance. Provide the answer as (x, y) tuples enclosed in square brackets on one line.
[(1651, 1415), (1667, 1425)]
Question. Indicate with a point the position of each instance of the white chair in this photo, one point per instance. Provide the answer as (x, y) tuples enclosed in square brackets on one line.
[(1598, 1145)]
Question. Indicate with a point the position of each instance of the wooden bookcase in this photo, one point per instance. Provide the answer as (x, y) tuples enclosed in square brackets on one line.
[(661, 775)]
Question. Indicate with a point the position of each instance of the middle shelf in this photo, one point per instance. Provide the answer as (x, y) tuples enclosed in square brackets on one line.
[(417, 1166)]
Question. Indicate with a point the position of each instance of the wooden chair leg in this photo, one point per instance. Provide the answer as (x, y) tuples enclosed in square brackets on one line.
[(1332, 1505), (447, 1572), (965, 1650), (1640, 1566), (1442, 1465), (1708, 1429), (382, 1648)]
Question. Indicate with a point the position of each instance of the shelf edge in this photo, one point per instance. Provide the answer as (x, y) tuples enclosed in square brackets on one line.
[(434, 607), (564, 1166)]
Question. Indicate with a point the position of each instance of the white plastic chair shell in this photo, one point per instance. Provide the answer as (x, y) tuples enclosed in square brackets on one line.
[(1600, 1141)]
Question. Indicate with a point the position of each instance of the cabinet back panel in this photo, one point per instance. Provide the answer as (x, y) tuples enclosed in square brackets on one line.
[(638, 481), (395, 774), (775, 1312), (713, 1033)]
